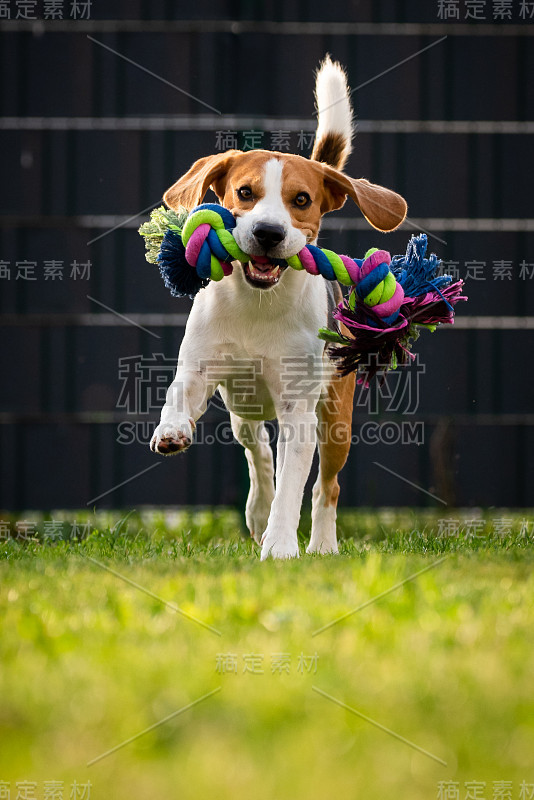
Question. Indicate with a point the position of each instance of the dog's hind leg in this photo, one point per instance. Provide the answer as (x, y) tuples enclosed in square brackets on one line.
[(334, 413), (253, 435)]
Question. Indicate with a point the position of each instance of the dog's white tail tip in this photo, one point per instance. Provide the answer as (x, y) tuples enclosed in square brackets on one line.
[(334, 115)]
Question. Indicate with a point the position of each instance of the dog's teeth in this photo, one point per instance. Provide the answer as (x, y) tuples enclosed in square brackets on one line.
[(264, 276), (270, 276)]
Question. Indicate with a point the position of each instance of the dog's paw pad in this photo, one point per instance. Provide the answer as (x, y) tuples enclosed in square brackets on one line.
[(169, 441)]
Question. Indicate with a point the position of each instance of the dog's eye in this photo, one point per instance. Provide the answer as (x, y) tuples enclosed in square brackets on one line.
[(244, 193), (302, 200)]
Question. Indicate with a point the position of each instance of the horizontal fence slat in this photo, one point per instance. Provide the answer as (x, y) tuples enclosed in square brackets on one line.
[(441, 224), (212, 122), (503, 323), (267, 27), (112, 417), (106, 320)]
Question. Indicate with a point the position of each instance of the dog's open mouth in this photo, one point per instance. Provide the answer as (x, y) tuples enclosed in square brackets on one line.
[(262, 272)]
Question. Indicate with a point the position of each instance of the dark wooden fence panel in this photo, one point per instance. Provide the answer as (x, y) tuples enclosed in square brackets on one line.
[(88, 140)]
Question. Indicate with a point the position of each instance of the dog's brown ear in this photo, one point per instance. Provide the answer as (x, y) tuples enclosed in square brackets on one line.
[(189, 190), (382, 208)]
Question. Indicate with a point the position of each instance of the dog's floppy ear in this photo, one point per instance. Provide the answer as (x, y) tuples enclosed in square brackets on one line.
[(382, 208), (189, 190)]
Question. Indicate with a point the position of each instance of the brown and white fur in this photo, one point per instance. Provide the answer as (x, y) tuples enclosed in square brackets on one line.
[(265, 315)]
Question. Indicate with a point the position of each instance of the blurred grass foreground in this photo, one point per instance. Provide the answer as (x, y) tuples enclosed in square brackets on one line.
[(152, 655)]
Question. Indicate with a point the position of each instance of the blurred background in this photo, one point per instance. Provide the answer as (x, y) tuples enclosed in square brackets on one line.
[(107, 103)]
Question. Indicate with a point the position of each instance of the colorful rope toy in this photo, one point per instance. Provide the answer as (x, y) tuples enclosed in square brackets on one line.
[(209, 243), (389, 300), (380, 334)]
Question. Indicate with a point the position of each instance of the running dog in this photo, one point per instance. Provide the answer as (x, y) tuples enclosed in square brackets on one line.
[(266, 316)]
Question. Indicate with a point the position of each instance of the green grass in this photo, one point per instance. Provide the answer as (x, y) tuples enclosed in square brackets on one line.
[(87, 660)]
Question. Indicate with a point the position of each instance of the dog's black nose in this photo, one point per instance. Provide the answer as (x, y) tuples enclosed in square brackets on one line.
[(268, 235)]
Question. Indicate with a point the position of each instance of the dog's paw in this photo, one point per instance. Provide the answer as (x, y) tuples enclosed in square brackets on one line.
[(257, 515), (169, 439), (279, 545), (324, 548), (255, 530)]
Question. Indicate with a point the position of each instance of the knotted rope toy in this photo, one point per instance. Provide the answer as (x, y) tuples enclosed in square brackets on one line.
[(389, 301), (381, 333)]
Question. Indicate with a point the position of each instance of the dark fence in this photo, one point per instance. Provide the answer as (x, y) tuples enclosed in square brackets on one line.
[(101, 114)]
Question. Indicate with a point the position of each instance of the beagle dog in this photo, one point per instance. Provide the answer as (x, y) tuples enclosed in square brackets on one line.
[(253, 335)]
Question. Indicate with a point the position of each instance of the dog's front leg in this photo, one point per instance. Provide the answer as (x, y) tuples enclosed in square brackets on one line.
[(186, 401), (296, 446)]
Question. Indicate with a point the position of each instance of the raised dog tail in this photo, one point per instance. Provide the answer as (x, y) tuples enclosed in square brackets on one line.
[(334, 115)]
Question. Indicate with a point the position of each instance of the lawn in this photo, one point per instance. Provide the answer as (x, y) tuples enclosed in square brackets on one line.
[(108, 634)]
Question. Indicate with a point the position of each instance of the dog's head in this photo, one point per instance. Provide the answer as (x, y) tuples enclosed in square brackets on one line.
[(278, 200)]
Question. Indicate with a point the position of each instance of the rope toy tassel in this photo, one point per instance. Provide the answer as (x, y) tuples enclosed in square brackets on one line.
[(379, 340), (179, 278)]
